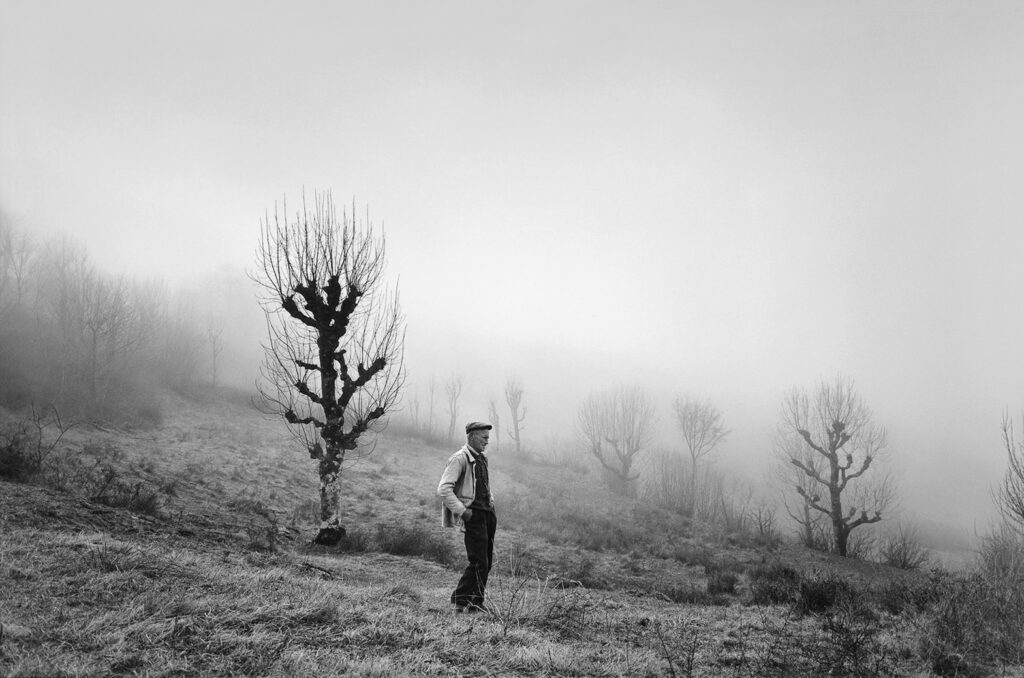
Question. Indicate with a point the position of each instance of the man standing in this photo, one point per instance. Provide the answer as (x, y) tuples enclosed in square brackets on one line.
[(466, 500)]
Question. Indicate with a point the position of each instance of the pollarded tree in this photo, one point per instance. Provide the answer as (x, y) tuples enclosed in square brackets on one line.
[(616, 428), (495, 418), (841, 441), (334, 358), (516, 409), (452, 392)]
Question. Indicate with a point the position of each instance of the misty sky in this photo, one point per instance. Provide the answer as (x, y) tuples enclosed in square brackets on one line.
[(725, 198)]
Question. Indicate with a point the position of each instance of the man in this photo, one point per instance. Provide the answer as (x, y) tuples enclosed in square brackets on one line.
[(466, 501)]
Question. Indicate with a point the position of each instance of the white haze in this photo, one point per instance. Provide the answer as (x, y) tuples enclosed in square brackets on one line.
[(729, 198)]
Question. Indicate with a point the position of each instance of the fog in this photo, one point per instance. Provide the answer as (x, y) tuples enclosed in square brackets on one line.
[(728, 199)]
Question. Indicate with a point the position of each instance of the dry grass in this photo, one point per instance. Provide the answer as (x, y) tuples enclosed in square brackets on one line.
[(222, 581)]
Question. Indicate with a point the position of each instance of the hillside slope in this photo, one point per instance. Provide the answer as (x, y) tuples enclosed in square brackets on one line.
[(214, 575)]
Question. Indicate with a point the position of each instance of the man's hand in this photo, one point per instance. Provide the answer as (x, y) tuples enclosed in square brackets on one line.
[(467, 514)]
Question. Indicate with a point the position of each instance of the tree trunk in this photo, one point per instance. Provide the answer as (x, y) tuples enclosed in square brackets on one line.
[(331, 532), (839, 530)]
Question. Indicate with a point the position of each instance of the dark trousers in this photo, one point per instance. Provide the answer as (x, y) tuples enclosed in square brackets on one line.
[(480, 553)]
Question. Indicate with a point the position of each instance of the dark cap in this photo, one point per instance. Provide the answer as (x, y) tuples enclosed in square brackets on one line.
[(477, 426)]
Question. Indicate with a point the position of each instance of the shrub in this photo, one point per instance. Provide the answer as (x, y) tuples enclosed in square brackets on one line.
[(139, 497), (977, 622), (903, 549), (820, 594), (26, 445), (978, 619), (16, 461), (773, 584), (897, 597)]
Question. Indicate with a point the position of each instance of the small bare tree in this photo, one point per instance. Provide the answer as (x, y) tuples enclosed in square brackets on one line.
[(840, 443), (616, 427), (517, 411), (703, 430), (492, 413), (334, 358), (431, 400), (1010, 494), (452, 390), (214, 330), (414, 411)]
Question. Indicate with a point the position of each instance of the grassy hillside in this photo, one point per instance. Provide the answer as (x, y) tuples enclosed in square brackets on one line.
[(184, 549)]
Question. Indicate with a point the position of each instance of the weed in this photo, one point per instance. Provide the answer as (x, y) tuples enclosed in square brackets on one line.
[(519, 601)]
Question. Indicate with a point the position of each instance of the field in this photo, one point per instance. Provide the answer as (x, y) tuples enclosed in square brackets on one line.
[(183, 549)]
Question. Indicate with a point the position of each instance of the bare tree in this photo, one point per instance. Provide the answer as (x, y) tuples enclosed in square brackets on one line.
[(517, 411), (431, 400), (1010, 494), (334, 357), (111, 328), (492, 414), (414, 411), (703, 429), (616, 427), (214, 330), (16, 253), (840, 443), (452, 390)]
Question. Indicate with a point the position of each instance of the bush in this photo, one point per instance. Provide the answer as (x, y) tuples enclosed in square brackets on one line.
[(897, 597), (903, 549), (773, 584), (818, 595), (16, 461), (978, 620), (139, 497), (977, 623), (25, 445)]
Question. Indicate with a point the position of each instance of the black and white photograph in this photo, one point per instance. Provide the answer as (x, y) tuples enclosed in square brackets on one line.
[(467, 338)]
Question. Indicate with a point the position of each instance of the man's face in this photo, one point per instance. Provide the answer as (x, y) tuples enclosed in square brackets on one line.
[(479, 439)]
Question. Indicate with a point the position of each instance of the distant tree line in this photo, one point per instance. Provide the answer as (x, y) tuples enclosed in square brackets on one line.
[(92, 343)]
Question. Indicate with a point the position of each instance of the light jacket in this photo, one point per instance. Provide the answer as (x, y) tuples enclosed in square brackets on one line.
[(457, 488)]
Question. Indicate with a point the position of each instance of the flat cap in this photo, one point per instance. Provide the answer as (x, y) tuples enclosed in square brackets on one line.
[(478, 426)]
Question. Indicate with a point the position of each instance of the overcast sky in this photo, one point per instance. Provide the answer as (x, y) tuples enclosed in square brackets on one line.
[(726, 198)]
